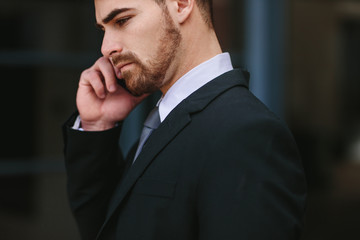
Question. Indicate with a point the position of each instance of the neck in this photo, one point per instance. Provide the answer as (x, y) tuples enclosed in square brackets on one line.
[(198, 45)]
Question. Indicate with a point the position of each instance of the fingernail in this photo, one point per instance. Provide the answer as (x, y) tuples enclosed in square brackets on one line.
[(112, 88)]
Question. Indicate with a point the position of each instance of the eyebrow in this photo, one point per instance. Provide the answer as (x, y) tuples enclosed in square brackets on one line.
[(113, 14)]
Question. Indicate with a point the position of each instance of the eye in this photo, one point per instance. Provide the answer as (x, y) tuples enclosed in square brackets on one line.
[(122, 21)]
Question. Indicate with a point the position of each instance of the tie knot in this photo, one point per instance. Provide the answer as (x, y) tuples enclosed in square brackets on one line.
[(153, 119)]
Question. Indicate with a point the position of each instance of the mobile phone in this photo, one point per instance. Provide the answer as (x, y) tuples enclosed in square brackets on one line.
[(122, 83)]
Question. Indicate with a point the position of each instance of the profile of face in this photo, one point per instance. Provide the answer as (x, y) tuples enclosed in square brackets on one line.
[(141, 39)]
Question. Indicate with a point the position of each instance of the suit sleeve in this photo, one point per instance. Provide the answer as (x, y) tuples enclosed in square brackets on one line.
[(94, 164), (254, 188)]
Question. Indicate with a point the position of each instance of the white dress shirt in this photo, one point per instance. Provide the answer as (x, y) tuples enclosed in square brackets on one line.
[(192, 81)]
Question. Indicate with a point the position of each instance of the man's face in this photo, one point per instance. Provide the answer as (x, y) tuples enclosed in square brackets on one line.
[(141, 40)]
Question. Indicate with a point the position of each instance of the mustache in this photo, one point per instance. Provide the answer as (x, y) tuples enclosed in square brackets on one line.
[(123, 58)]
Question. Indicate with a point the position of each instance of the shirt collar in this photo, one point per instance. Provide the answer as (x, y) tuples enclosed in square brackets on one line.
[(192, 81)]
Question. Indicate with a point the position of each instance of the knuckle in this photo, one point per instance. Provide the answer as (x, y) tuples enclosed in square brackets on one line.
[(84, 74), (92, 75), (103, 61)]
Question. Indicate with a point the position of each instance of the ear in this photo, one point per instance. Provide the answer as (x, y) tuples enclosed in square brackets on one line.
[(183, 9)]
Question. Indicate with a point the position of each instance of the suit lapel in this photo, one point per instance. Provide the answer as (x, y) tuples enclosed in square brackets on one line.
[(156, 142), (177, 120)]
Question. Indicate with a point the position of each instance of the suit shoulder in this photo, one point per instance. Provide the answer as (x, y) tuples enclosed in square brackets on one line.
[(238, 105)]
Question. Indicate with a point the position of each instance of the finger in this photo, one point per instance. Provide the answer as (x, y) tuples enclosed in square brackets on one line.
[(107, 70), (97, 82), (94, 80), (116, 70)]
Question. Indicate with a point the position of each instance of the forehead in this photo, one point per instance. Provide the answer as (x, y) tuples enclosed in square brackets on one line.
[(108, 3), (103, 7)]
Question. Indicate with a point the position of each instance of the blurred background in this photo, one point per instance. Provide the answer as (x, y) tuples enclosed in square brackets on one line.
[(304, 59)]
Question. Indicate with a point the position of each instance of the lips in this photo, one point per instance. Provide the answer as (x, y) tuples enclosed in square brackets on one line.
[(122, 65)]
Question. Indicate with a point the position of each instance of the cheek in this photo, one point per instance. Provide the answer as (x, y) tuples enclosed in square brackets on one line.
[(144, 38)]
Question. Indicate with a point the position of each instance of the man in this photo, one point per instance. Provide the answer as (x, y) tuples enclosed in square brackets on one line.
[(219, 165)]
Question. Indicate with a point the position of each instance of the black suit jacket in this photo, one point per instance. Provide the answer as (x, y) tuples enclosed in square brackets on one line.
[(220, 166)]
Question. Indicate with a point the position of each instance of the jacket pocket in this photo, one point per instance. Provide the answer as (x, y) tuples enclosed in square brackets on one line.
[(155, 188)]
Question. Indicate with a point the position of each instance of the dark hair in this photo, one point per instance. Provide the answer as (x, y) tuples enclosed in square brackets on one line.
[(205, 7), (206, 10)]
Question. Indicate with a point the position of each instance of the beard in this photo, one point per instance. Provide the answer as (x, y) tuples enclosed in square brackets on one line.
[(149, 76)]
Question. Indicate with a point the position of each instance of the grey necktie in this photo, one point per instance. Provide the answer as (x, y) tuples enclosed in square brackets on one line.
[(150, 124)]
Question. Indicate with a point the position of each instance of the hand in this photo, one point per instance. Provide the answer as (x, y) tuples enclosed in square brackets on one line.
[(100, 100)]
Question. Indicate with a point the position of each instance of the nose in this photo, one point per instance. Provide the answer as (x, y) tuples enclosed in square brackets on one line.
[(110, 45)]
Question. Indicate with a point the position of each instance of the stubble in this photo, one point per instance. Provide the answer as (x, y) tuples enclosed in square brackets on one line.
[(149, 76)]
